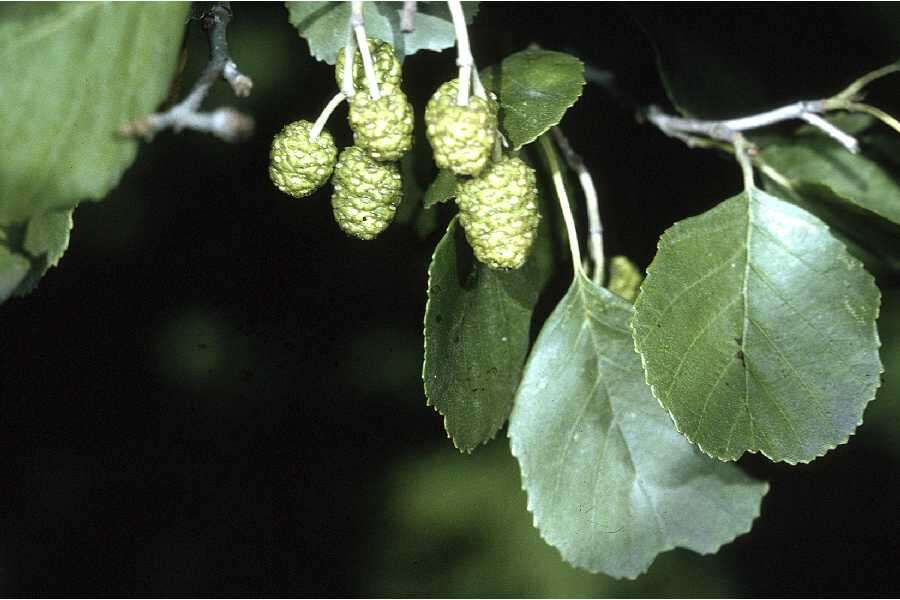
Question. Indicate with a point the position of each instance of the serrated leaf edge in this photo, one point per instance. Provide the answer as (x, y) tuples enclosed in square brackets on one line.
[(824, 449), (668, 547), (428, 402)]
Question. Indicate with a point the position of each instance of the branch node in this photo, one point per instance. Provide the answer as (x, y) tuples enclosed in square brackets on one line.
[(226, 123)]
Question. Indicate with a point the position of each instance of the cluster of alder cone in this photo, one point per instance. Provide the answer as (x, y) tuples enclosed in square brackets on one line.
[(496, 193)]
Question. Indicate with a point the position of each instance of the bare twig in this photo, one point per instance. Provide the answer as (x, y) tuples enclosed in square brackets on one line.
[(225, 123), (464, 59), (408, 17), (595, 226), (725, 130), (549, 152), (357, 21), (319, 125), (347, 76), (701, 132)]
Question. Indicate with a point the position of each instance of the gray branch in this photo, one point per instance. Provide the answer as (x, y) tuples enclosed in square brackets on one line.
[(226, 123), (726, 130)]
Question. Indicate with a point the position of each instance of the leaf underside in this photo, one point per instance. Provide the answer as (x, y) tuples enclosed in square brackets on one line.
[(324, 26), (757, 331)]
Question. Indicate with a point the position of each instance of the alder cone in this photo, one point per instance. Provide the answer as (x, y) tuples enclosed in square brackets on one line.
[(388, 71), (366, 193), (383, 127), (462, 137), (298, 165), (499, 212)]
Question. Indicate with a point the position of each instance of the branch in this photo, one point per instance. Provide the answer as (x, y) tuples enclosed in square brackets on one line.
[(810, 111), (225, 123), (595, 226), (726, 130)]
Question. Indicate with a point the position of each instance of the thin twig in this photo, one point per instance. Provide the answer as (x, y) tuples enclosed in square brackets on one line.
[(591, 200), (811, 111), (357, 21), (556, 174), (725, 130), (347, 80), (743, 151), (408, 17), (319, 125), (225, 123), (464, 59)]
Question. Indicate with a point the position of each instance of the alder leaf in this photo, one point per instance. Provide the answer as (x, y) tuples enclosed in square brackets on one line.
[(610, 483), (324, 26), (814, 160), (535, 89), (477, 323), (45, 241), (443, 188), (757, 331), (70, 75)]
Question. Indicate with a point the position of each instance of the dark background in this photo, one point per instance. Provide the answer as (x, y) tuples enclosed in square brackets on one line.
[(217, 392)]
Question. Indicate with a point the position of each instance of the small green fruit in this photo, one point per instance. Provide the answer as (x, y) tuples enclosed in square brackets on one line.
[(366, 193), (383, 127), (388, 71), (298, 165), (499, 213), (462, 137)]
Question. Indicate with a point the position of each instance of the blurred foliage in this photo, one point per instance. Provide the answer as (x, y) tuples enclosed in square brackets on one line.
[(457, 526)]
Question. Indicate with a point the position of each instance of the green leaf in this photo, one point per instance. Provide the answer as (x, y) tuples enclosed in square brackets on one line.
[(46, 239), (70, 75), (610, 483), (443, 188), (875, 247), (324, 25), (757, 331), (535, 88), (47, 236), (815, 160), (13, 269), (477, 335)]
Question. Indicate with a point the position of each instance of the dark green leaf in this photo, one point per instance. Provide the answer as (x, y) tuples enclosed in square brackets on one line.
[(324, 25), (70, 75), (443, 188), (875, 247), (757, 331), (535, 88), (814, 160), (476, 336), (610, 482)]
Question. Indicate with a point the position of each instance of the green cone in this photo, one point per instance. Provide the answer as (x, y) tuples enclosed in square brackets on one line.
[(499, 213), (298, 165), (387, 68), (462, 137), (383, 127), (366, 193)]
